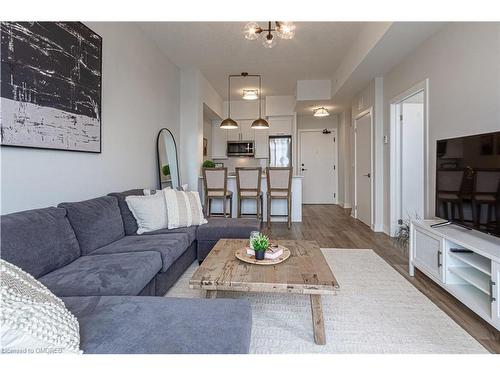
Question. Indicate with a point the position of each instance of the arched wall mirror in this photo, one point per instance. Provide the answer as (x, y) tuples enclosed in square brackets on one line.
[(168, 165)]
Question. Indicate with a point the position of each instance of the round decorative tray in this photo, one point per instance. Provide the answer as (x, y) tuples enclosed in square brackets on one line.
[(242, 255)]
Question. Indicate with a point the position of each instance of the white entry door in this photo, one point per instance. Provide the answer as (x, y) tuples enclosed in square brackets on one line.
[(363, 168), (318, 159), (411, 115)]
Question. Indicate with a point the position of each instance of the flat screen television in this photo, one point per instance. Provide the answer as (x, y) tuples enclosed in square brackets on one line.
[(468, 181)]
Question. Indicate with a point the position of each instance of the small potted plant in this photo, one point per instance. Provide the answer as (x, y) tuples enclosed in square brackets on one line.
[(165, 170), (208, 164), (260, 244)]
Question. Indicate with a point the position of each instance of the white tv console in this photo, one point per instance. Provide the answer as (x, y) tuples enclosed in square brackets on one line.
[(472, 277)]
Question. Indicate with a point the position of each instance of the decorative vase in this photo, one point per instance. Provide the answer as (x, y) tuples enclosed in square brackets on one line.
[(259, 255)]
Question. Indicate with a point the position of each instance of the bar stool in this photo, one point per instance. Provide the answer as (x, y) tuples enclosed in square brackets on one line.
[(215, 184), (486, 192), (449, 187), (248, 184), (279, 186)]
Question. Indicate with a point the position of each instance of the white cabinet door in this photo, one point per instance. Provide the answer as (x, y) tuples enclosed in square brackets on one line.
[(280, 125), (247, 133), (495, 290), (234, 134), (261, 144), (219, 142), (428, 253)]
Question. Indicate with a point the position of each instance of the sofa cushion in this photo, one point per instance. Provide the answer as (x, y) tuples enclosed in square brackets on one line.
[(155, 325), (104, 275), (189, 231), (220, 227), (170, 246), (129, 223), (96, 222), (150, 211), (38, 241)]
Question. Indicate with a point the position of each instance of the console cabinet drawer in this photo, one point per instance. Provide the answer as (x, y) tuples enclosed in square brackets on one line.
[(428, 253)]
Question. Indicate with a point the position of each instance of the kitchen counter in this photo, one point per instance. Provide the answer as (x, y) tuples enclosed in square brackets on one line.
[(249, 205)]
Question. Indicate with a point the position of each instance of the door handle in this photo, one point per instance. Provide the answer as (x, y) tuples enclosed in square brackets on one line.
[(303, 169), (367, 175), (492, 298), (439, 258)]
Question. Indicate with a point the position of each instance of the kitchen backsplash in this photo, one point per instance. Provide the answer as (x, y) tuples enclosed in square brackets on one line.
[(232, 163)]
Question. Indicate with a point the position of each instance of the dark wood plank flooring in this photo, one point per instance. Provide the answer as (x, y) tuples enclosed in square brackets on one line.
[(332, 226)]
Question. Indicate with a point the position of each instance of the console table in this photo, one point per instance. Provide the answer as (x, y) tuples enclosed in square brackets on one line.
[(466, 263)]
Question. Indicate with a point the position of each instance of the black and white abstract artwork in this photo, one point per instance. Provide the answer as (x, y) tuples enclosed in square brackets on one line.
[(50, 88)]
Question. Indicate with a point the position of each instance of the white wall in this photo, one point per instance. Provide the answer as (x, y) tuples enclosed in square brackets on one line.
[(140, 95), (195, 92), (462, 62), (311, 122)]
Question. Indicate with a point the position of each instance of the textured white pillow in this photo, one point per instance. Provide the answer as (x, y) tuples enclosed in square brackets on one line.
[(183, 208), (150, 211), (32, 318)]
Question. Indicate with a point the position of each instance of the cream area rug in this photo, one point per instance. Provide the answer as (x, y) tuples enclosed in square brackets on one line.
[(376, 310)]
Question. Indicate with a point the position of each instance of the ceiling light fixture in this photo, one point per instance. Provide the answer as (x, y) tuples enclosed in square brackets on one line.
[(250, 94), (260, 123), (229, 123), (284, 29), (321, 112)]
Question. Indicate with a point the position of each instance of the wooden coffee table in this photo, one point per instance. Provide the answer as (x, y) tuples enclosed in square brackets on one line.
[(305, 272)]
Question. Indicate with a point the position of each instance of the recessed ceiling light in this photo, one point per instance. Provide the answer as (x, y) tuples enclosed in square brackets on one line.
[(321, 112), (250, 94)]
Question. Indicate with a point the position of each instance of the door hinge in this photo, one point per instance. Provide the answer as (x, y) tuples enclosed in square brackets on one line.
[(400, 221), (334, 167), (400, 117), (334, 139), (334, 195)]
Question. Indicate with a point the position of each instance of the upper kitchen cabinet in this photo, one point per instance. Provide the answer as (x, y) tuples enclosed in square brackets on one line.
[(243, 133), (261, 144), (219, 141), (280, 125)]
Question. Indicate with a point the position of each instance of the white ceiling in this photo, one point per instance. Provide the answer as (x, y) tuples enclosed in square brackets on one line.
[(219, 49)]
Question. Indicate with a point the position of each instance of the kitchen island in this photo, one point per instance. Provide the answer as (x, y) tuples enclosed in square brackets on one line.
[(249, 205)]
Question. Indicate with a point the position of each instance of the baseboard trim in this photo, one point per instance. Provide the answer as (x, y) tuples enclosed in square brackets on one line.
[(345, 205)]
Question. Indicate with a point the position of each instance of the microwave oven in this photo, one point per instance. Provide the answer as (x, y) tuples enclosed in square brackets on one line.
[(240, 148)]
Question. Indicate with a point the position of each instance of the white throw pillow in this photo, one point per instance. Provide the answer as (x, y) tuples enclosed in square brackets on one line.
[(183, 208), (32, 319), (150, 211)]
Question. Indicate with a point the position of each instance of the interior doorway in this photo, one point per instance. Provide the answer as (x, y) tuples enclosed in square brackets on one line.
[(363, 167), (408, 156), (318, 165)]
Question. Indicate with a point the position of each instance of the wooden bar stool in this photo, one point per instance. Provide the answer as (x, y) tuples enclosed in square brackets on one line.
[(215, 183), (279, 186), (449, 187), (248, 184), (486, 192)]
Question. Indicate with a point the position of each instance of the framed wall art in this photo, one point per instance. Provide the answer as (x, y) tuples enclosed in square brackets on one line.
[(50, 88)]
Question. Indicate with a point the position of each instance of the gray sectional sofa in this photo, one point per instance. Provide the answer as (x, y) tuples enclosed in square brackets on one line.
[(88, 253)]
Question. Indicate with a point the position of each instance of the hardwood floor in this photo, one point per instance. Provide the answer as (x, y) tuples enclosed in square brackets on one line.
[(332, 226)]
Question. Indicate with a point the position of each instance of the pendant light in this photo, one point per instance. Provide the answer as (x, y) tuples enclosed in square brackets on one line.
[(229, 123), (260, 123)]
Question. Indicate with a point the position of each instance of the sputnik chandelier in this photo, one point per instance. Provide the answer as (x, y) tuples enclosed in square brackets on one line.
[(284, 29)]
